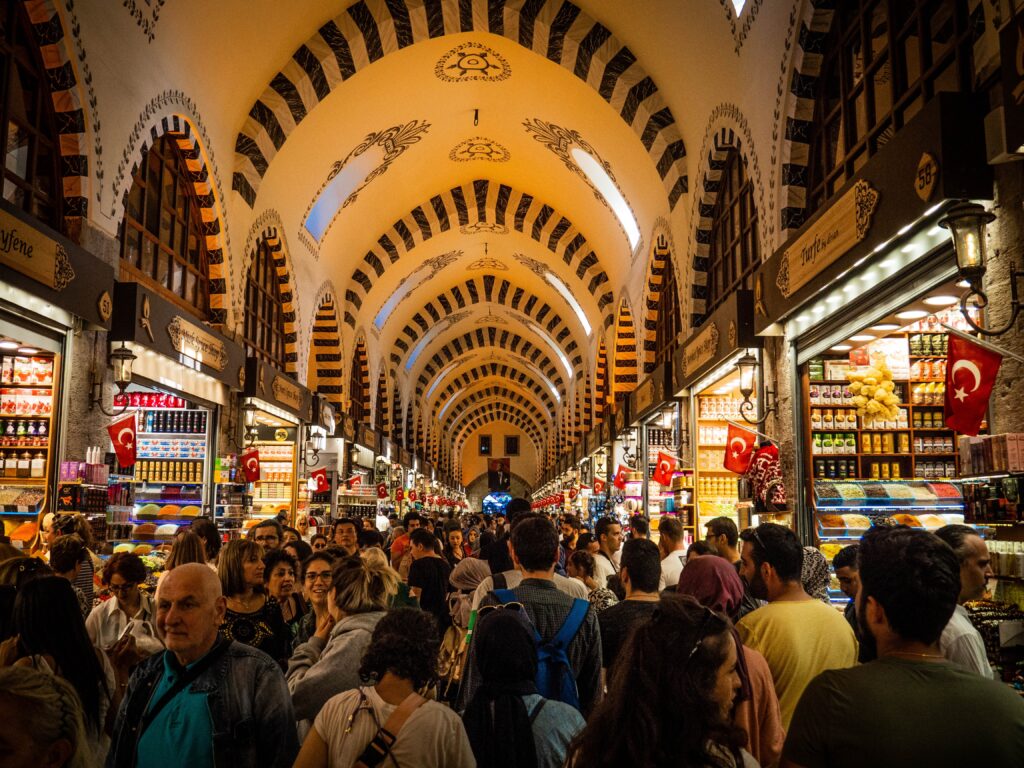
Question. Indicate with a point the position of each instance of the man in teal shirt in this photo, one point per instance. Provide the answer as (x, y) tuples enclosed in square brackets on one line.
[(203, 702)]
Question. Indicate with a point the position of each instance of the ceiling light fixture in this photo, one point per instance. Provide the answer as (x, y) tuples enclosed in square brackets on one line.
[(941, 301), (911, 314), (885, 327), (841, 347), (28, 351), (862, 337), (8, 344)]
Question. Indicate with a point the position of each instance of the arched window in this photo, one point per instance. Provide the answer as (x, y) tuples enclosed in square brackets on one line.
[(734, 252), (883, 60), (31, 172), (264, 318), (162, 238), (668, 325)]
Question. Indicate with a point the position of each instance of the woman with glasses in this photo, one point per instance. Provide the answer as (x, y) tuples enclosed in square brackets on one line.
[(318, 541), (327, 664), (316, 585), (253, 617), (671, 705), (509, 724), (279, 581), (122, 575)]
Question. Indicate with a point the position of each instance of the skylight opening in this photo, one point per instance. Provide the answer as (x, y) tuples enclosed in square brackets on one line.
[(610, 192), (738, 6), (567, 295), (338, 190)]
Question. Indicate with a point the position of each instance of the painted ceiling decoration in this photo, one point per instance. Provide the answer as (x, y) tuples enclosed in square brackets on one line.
[(347, 178), (483, 228), (488, 263), (487, 289), (488, 201), (407, 285), (479, 148), (566, 144), (495, 371), (472, 62), (371, 29), (502, 413), (516, 368), (463, 409)]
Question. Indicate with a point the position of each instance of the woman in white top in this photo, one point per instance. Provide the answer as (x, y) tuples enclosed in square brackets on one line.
[(122, 575), (401, 659)]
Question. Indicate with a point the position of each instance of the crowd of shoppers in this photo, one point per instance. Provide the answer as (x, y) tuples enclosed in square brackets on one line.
[(722, 653)]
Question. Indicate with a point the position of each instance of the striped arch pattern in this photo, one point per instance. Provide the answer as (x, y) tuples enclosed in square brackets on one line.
[(382, 409), (625, 376), (407, 439), (498, 409), (495, 337), (396, 411), (491, 394), (807, 54), (180, 129), (577, 416), (488, 288), (655, 279), (483, 419), (601, 379), (491, 203), (325, 369), (588, 405), (272, 239), (496, 370), (360, 382), (67, 106), (725, 142), (370, 29)]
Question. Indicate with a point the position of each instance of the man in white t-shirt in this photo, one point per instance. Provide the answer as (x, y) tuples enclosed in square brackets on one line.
[(609, 537), (672, 550), (961, 643)]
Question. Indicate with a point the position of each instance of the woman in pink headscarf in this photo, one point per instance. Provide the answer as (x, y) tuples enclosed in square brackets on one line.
[(713, 581)]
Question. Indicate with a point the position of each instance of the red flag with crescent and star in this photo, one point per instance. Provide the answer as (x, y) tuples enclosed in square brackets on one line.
[(620, 477), (319, 476), (599, 486), (354, 482), (382, 490), (739, 449), (970, 375), (122, 435), (250, 461), (663, 471)]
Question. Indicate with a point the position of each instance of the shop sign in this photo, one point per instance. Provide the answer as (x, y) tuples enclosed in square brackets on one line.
[(32, 253), (621, 422), (348, 428), (286, 393), (367, 438), (703, 348), (642, 397), (192, 341), (840, 228), (1011, 49)]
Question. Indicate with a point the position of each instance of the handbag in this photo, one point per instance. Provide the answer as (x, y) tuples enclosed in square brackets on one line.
[(146, 640), (384, 739)]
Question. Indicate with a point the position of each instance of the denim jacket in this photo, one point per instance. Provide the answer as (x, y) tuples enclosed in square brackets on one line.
[(250, 707)]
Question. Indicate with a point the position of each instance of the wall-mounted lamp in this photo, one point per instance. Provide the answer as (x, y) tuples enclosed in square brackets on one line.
[(249, 419), (121, 359), (966, 223), (747, 366), (316, 441)]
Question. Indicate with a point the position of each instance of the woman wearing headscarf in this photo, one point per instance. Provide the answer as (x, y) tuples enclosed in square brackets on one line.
[(713, 581), (508, 723), (814, 574)]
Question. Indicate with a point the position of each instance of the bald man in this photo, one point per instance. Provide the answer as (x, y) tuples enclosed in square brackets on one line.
[(204, 701)]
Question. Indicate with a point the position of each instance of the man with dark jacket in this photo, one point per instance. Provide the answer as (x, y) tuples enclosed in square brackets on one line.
[(203, 701)]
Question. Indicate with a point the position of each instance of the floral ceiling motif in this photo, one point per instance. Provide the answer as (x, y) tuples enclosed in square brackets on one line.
[(472, 61)]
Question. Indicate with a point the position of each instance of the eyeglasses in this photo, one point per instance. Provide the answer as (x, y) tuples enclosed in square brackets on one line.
[(122, 588), (324, 576), (513, 606), (708, 614), (757, 537)]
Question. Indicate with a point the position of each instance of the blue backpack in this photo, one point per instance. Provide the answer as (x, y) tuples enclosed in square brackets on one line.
[(555, 678)]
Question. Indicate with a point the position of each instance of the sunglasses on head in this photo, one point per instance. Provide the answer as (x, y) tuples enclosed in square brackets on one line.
[(513, 606)]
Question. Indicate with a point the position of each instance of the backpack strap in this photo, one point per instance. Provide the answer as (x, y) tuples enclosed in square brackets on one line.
[(572, 623), (505, 595), (537, 709)]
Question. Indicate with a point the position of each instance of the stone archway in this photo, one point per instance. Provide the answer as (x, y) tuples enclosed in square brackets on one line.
[(477, 489)]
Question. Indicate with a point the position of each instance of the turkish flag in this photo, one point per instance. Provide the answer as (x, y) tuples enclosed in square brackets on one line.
[(666, 466), (320, 476), (399, 494), (382, 490), (122, 435), (354, 482), (573, 493), (250, 460), (412, 495), (970, 375), (620, 477), (739, 449), (599, 486)]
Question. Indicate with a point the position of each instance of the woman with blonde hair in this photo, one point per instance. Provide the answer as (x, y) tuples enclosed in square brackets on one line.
[(187, 548), (328, 663), (252, 617), (43, 721)]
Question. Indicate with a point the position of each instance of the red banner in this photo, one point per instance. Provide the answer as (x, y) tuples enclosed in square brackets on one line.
[(122, 435), (620, 477), (739, 448), (320, 477), (399, 494), (412, 495), (599, 486), (573, 493), (355, 481), (970, 375), (666, 466), (382, 490), (250, 461)]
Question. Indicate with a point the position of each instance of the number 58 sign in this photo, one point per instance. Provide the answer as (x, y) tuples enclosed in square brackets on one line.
[(927, 177)]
